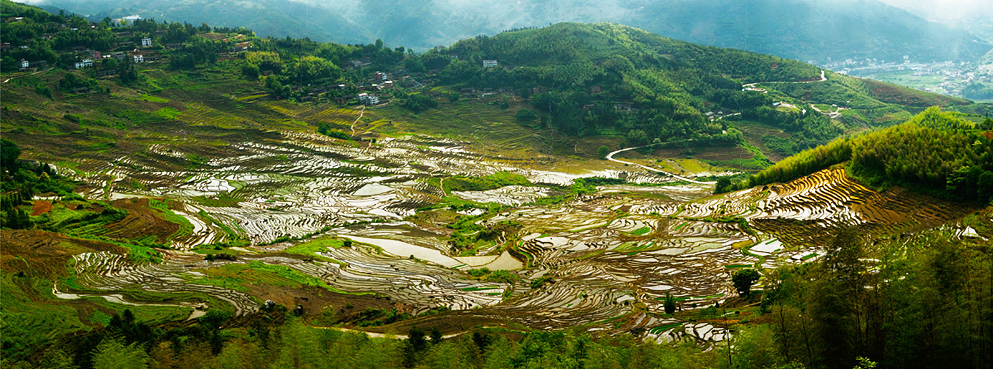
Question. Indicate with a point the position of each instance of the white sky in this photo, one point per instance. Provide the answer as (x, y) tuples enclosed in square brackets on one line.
[(939, 10), (947, 10)]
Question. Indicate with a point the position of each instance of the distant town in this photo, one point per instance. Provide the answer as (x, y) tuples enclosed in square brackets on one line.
[(969, 80)]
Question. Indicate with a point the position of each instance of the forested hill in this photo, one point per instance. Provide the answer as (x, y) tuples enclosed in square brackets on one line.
[(801, 29), (577, 79), (935, 152), (585, 78)]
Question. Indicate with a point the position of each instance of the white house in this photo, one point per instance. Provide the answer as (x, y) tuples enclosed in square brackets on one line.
[(138, 58), (84, 64), (489, 63), (25, 63), (368, 99), (146, 42)]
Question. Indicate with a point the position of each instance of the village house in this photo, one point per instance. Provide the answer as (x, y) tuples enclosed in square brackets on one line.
[(244, 46), (623, 107), (361, 63), (85, 63), (106, 73), (146, 42), (368, 99), (25, 64)]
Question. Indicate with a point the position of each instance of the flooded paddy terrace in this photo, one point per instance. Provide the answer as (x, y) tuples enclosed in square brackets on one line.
[(587, 259)]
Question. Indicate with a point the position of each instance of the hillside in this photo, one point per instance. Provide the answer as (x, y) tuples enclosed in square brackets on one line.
[(795, 29), (936, 153), (580, 81), (184, 195)]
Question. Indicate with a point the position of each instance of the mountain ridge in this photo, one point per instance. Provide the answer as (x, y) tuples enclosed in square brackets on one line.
[(798, 29)]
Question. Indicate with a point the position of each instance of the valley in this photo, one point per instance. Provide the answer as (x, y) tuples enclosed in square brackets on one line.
[(579, 195), (283, 202)]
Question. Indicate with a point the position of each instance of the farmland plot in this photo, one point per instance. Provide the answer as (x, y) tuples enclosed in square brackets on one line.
[(563, 260)]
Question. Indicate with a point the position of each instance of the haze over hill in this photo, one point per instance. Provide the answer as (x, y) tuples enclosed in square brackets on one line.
[(801, 29), (975, 16)]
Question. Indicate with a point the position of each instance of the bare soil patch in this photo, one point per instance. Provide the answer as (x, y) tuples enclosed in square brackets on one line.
[(41, 207), (141, 221)]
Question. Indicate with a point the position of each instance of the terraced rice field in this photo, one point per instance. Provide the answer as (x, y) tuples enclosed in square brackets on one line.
[(584, 260)]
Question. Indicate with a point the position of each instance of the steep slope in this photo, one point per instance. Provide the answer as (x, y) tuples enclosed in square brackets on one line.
[(935, 152), (590, 79)]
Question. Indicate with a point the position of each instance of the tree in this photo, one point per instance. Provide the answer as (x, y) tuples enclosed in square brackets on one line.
[(987, 124), (9, 152), (526, 115), (602, 152), (112, 354), (300, 348), (415, 344), (865, 363), (419, 102), (743, 280), (436, 336), (637, 137), (670, 303), (985, 185), (723, 185)]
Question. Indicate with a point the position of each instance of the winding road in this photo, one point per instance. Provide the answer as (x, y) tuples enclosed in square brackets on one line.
[(611, 158)]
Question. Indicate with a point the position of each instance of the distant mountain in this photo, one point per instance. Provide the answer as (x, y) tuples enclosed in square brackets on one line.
[(278, 18), (975, 16), (807, 30)]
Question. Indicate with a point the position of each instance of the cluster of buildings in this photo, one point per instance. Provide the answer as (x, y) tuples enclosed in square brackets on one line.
[(379, 81), (954, 77)]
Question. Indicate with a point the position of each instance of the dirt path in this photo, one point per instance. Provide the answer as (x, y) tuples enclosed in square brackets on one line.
[(823, 79), (611, 158), (361, 113), (383, 335)]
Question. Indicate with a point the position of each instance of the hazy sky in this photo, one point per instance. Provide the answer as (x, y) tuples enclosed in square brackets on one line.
[(947, 10)]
